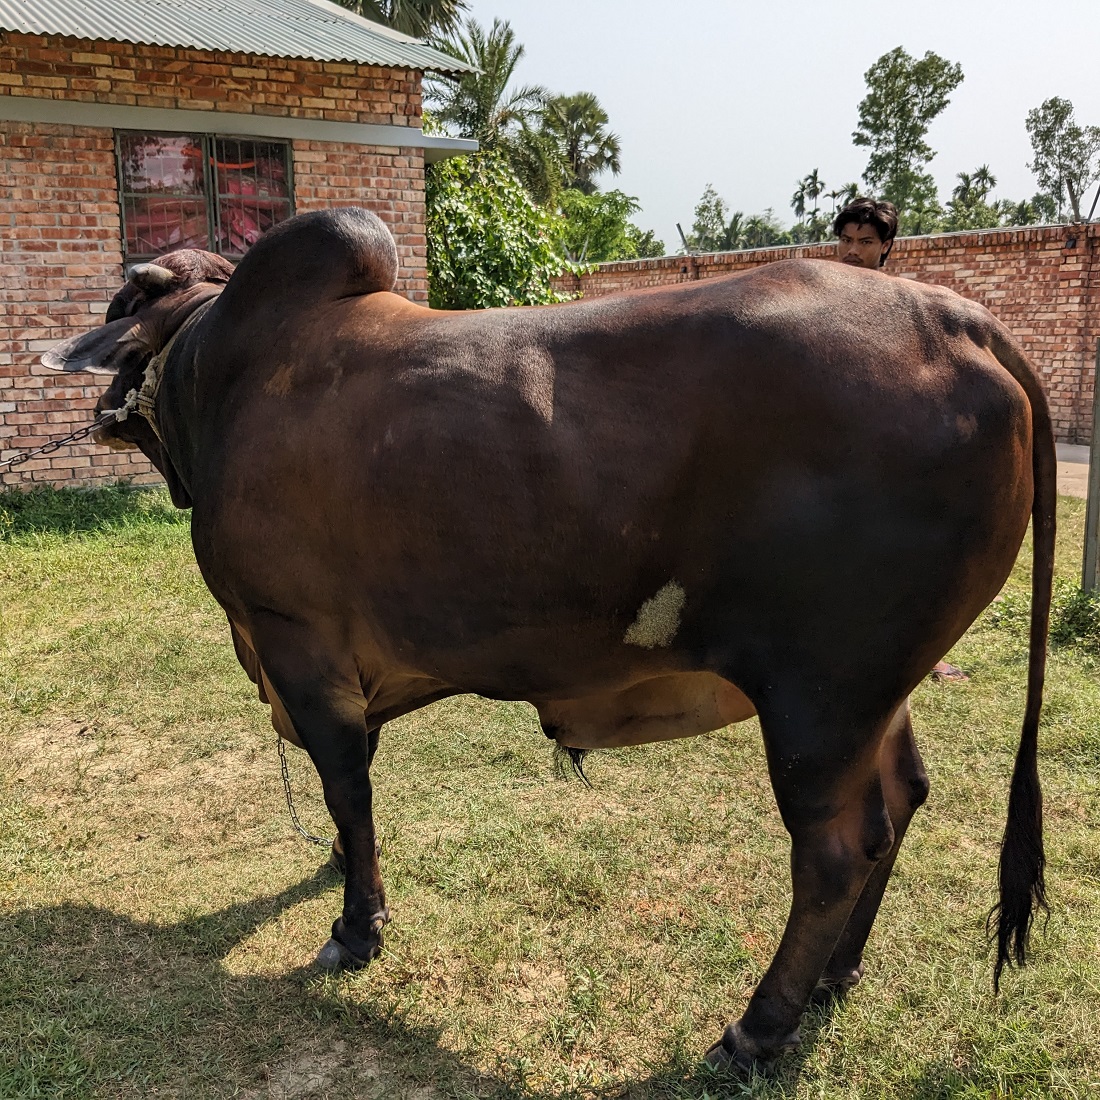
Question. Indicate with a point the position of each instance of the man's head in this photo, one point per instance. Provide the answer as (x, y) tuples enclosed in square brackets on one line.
[(866, 231)]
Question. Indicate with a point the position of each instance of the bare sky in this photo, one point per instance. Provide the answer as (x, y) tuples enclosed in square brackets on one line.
[(752, 96)]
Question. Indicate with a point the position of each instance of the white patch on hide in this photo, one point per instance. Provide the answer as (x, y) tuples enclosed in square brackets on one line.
[(658, 619)]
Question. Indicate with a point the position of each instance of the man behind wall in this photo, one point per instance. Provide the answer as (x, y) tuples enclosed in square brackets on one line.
[(865, 232)]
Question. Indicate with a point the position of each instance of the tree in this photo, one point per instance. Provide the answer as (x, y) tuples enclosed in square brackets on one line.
[(648, 245), (714, 228), (904, 95), (842, 196), (811, 225), (1066, 154), (969, 207), (814, 187), (596, 228), (764, 230), (710, 221), (579, 126), (419, 18), (488, 243), (480, 104)]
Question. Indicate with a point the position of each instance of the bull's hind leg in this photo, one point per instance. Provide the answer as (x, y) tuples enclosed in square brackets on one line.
[(322, 695), (829, 792), (905, 787)]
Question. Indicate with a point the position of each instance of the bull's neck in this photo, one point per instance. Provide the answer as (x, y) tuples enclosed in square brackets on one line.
[(167, 392)]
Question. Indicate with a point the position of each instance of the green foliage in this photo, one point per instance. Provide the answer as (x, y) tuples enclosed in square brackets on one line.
[(709, 226), (577, 125), (764, 230), (550, 142), (1075, 619), (647, 244), (488, 243), (971, 205), (715, 229), (1067, 156), (596, 228), (481, 104), (904, 95), (812, 225), (43, 511), (1074, 616), (418, 18)]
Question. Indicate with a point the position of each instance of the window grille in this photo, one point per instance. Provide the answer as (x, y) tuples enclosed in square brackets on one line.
[(200, 191)]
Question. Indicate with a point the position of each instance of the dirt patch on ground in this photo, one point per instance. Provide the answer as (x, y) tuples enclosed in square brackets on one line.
[(336, 1072)]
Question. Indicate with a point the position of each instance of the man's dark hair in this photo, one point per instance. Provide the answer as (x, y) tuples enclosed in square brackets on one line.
[(882, 217)]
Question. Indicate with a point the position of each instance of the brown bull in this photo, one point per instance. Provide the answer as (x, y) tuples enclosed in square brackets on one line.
[(785, 493)]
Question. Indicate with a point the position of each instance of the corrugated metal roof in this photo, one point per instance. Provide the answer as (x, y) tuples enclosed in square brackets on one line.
[(314, 29)]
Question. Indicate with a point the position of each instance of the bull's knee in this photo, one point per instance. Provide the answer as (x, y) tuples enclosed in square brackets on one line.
[(917, 787), (877, 830)]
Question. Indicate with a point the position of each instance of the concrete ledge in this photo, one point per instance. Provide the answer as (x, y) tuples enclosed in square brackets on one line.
[(1070, 452)]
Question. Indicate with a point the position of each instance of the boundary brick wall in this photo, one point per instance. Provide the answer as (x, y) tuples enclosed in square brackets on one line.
[(60, 224), (1043, 283)]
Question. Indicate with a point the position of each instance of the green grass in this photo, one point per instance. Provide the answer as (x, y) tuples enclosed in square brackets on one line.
[(158, 918)]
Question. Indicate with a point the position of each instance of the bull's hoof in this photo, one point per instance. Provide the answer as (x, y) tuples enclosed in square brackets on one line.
[(736, 1053), (345, 950), (725, 1057), (335, 957)]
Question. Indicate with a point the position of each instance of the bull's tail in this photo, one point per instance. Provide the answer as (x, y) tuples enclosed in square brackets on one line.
[(1022, 889)]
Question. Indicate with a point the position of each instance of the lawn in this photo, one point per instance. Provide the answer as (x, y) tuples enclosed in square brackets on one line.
[(158, 917)]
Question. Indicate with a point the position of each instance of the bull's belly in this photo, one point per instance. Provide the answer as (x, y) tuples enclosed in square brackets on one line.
[(658, 709)]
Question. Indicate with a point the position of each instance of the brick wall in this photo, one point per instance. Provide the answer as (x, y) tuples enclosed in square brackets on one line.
[(1043, 283), (60, 245), (206, 80)]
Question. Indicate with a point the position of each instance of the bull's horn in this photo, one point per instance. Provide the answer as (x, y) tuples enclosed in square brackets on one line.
[(151, 276)]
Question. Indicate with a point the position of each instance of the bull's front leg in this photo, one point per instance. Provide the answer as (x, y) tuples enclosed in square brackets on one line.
[(829, 792), (319, 688)]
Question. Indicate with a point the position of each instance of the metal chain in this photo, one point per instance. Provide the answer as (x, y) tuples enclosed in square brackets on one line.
[(319, 840), (57, 444)]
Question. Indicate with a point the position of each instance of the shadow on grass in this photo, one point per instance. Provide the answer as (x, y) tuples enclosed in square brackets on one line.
[(94, 1003), (45, 510)]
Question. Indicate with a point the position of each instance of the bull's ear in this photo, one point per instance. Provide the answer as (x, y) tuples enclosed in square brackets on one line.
[(105, 350)]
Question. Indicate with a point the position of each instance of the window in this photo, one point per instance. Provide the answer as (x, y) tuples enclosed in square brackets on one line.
[(199, 191)]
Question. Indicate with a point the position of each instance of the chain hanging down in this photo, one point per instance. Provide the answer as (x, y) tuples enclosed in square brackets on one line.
[(319, 840)]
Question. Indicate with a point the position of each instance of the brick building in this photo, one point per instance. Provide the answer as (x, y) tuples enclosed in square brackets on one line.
[(1042, 282), (130, 129)]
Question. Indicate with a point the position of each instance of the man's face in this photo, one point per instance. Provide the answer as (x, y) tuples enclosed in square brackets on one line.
[(860, 245)]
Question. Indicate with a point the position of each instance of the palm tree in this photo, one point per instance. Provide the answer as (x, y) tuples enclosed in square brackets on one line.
[(964, 189), (733, 235), (537, 160), (984, 181), (815, 187), (579, 124), (798, 201), (847, 194), (418, 18), (480, 104)]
